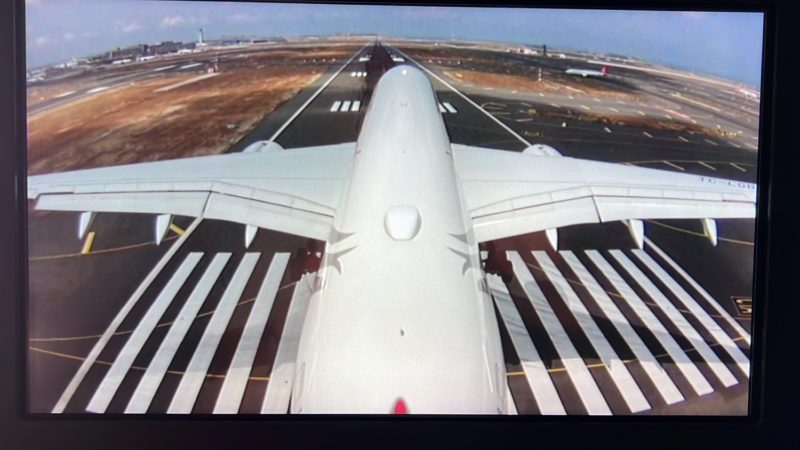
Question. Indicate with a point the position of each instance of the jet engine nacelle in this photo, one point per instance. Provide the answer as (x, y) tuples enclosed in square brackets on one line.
[(541, 150), (263, 146)]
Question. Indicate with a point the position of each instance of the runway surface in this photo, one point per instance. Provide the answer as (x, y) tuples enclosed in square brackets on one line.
[(595, 326)]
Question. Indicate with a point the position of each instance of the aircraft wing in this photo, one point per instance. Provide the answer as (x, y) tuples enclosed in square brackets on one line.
[(509, 193), (293, 191)]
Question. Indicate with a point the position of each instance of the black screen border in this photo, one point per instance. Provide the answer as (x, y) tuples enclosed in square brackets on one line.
[(766, 426)]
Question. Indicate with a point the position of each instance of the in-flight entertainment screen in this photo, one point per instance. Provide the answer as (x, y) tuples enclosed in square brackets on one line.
[(267, 208)]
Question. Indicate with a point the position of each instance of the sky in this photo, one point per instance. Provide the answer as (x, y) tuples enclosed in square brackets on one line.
[(719, 43)]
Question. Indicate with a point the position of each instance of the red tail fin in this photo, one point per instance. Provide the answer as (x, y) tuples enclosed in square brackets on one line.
[(604, 70)]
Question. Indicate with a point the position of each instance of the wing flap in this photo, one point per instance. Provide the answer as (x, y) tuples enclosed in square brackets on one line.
[(295, 191), (511, 193)]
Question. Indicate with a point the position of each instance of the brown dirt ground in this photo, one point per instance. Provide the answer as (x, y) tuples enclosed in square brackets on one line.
[(272, 54), (133, 123), (526, 83)]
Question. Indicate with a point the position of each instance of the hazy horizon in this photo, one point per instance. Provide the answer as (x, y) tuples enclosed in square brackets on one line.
[(722, 44)]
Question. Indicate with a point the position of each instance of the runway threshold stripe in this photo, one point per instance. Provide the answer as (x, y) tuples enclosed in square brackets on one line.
[(669, 392), (702, 316), (281, 379), (544, 392), (345, 106), (108, 387), (682, 361), (511, 407), (703, 293), (615, 367), (77, 379), (150, 381), (576, 369), (441, 108), (335, 106), (449, 108), (314, 95), (191, 382), (232, 392), (356, 106)]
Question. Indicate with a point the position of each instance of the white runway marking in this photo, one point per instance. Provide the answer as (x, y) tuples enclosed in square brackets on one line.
[(189, 66), (281, 379), (315, 95), (673, 165), (76, 380), (686, 366), (613, 109), (586, 107), (345, 106), (613, 364), (356, 106), (108, 387), (683, 139), (449, 108), (64, 94), (647, 134), (669, 392), (164, 68), (98, 89), (641, 113), (336, 105), (544, 392), (608, 130), (232, 391), (738, 167), (441, 108), (150, 381), (576, 368), (710, 141), (720, 310), (705, 320), (708, 166), (191, 382), (468, 100), (754, 147)]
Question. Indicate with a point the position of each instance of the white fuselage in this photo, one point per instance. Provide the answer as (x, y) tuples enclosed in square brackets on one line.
[(405, 317), (585, 72)]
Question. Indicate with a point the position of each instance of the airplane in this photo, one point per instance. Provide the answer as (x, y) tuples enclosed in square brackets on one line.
[(401, 318), (588, 72)]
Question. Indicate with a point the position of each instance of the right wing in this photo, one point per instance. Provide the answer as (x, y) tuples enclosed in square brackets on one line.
[(293, 191), (509, 193)]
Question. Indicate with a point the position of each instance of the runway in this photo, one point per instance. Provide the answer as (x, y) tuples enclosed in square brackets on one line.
[(592, 327)]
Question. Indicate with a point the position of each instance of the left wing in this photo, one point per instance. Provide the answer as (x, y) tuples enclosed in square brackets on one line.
[(294, 191), (509, 193)]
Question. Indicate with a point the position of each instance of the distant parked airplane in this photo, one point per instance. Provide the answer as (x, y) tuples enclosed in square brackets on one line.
[(588, 72)]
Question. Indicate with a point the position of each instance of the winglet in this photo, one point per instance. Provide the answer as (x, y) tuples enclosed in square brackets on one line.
[(84, 222), (552, 238), (710, 230), (162, 225), (636, 228)]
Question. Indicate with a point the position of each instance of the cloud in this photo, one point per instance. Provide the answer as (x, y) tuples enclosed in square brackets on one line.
[(42, 41), (130, 27), (68, 36), (173, 21)]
